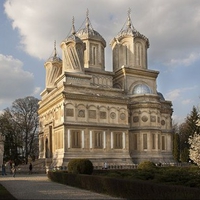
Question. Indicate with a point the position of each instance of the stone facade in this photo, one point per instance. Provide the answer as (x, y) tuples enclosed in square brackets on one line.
[(116, 117)]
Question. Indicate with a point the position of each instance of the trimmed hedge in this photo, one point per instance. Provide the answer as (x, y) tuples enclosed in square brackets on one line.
[(124, 188)]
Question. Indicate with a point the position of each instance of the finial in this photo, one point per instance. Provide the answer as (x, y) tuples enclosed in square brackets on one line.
[(87, 18), (55, 53), (129, 18), (129, 12), (73, 27), (87, 13)]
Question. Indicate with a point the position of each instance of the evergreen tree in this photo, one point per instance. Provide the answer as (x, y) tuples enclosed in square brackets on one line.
[(192, 122), (187, 130)]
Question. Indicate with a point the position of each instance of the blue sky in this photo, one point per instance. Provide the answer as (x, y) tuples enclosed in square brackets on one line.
[(28, 29)]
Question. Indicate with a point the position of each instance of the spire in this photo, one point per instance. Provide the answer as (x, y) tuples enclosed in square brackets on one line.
[(73, 27), (54, 55), (88, 25), (129, 19), (55, 52), (87, 19)]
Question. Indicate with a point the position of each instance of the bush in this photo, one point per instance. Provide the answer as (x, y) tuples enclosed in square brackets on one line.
[(147, 165), (80, 166), (128, 189)]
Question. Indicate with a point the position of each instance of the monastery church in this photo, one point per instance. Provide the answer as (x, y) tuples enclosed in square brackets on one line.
[(117, 117)]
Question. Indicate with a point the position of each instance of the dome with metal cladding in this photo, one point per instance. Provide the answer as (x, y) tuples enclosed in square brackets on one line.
[(54, 57), (142, 89), (89, 32), (129, 30), (161, 96), (73, 37)]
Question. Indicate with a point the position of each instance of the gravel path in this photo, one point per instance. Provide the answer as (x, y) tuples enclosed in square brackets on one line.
[(38, 186)]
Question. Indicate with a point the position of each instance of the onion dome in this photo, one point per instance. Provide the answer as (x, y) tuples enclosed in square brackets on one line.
[(129, 30), (73, 37), (54, 57), (142, 89), (89, 33)]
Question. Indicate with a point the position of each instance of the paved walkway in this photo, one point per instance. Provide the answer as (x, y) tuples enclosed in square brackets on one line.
[(38, 186)]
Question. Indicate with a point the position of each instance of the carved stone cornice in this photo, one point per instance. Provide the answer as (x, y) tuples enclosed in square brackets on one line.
[(135, 71), (99, 125), (94, 97)]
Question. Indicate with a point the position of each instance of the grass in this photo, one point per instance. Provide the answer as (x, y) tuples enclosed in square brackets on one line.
[(5, 194)]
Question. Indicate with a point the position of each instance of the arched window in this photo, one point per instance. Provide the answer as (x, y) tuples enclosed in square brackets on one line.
[(139, 54)]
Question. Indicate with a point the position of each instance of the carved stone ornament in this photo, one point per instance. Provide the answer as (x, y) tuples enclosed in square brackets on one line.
[(70, 112), (122, 116), (112, 115), (81, 113), (102, 115), (92, 114), (144, 118), (153, 118), (135, 119), (162, 122)]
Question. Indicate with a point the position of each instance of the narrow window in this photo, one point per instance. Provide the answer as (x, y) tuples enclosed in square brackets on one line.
[(98, 136), (158, 141), (76, 139), (153, 141), (163, 142), (118, 140), (144, 141), (135, 141)]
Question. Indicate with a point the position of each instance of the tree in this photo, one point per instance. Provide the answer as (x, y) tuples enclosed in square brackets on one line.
[(19, 125), (194, 151), (176, 143), (186, 130), (11, 134), (192, 122), (176, 147), (184, 145)]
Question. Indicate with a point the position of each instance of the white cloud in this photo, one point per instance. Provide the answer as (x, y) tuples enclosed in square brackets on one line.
[(178, 92), (15, 82), (184, 61), (172, 26), (187, 101), (173, 95), (36, 91)]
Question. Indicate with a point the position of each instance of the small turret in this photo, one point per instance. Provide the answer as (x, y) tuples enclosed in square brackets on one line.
[(53, 68), (73, 52), (95, 45)]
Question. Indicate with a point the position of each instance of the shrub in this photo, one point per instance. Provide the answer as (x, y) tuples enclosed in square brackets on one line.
[(145, 174), (147, 165), (80, 166)]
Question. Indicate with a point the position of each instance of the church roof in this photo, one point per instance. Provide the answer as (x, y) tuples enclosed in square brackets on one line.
[(88, 32), (54, 57), (73, 37), (129, 30)]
